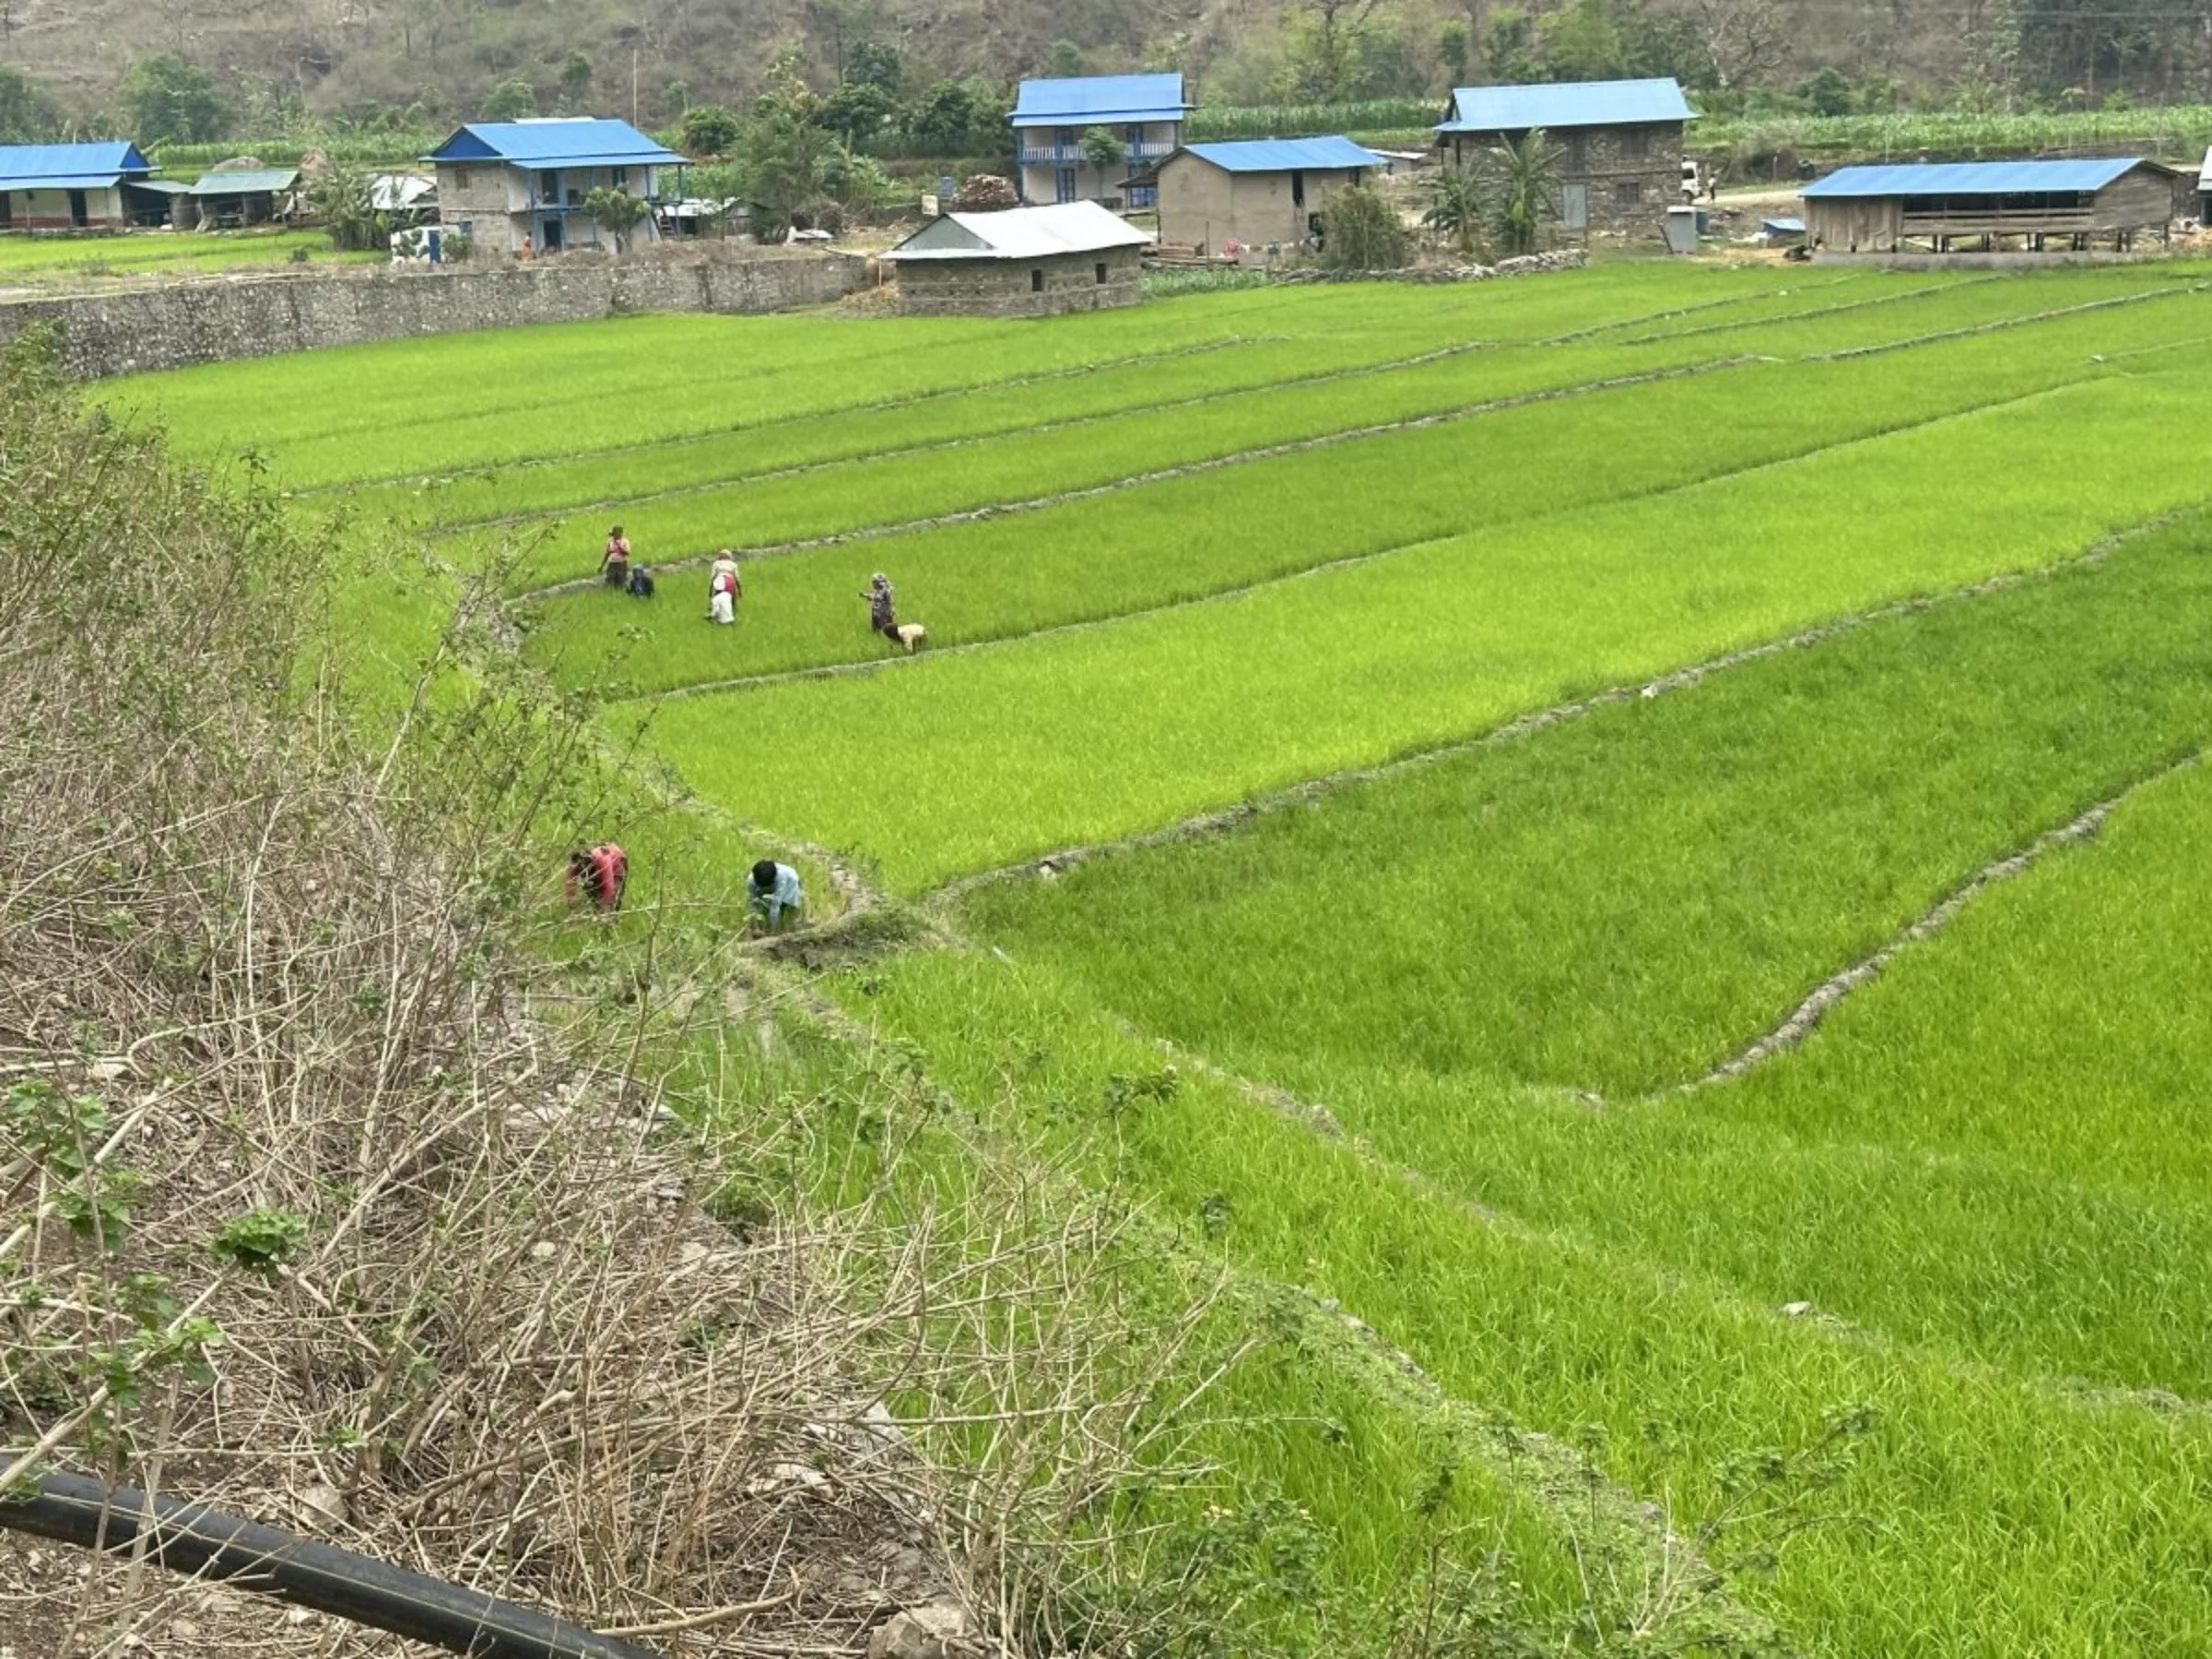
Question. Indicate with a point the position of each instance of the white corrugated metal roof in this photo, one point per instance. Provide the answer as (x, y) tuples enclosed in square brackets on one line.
[(1021, 233)]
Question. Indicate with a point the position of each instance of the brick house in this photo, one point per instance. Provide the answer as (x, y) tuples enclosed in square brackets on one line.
[(1253, 196), (501, 181), (1145, 112), (1619, 144), (1023, 261), (101, 186)]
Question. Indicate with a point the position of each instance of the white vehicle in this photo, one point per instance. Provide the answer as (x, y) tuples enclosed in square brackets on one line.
[(1691, 184)]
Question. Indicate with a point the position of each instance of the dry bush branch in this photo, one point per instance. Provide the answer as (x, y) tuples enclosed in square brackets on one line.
[(294, 1045)]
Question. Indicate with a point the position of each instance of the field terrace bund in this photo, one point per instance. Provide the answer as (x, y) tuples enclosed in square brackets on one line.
[(1628, 842)]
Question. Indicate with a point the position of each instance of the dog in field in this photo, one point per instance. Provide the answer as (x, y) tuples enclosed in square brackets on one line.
[(911, 635)]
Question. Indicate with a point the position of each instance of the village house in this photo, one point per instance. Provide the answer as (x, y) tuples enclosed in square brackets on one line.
[(1143, 112), (1617, 143), (1989, 205), (1022, 261), (1250, 200), (502, 181), (229, 197), (99, 186)]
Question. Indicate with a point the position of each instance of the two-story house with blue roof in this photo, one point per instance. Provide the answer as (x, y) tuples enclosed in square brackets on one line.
[(1257, 199), (1619, 144), (1145, 112), (500, 181), (99, 186)]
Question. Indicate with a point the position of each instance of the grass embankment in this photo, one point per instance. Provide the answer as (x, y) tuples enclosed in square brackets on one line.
[(1624, 902)]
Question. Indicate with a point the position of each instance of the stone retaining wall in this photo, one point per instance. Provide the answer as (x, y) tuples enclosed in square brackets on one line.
[(173, 324), (1522, 265)]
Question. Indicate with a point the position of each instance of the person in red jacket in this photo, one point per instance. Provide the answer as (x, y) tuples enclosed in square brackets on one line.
[(599, 875)]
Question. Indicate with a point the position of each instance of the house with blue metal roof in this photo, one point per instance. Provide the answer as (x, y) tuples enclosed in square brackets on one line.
[(1991, 207), (99, 186), (1616, 145), (1256, 200), (516, 187), (1143, 113)]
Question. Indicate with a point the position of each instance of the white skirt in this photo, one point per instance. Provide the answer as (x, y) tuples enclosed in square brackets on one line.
[(721, 608)]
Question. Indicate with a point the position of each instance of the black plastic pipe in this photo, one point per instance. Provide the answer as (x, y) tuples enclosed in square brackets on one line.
[(193, 1538)]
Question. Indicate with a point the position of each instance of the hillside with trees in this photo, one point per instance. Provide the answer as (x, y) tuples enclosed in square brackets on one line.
[(932, 76)]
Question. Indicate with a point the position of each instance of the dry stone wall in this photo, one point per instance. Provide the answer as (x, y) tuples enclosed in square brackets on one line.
[(175, 324)]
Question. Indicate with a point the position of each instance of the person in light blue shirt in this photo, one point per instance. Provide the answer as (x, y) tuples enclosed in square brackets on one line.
[(775, 895)]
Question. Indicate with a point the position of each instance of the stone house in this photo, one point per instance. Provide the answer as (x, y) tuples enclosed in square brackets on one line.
[(1023, 261), (1987, 205), (1252, 199), (1618, 145), (100, 186), (1145, 112), (501, 182)]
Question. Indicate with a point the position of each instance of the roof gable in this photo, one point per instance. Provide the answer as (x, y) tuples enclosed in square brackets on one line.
[(559, 141), (1566, 104), (1976, 177), (1021, 233), (69, 165), (1089, 99), (1285, 155)]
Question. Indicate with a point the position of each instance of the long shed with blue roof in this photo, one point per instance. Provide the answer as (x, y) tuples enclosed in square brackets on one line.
[(1616, 145), (2034, 207), (512, 186), (1144, 113), (1251, 199), (103, 185)]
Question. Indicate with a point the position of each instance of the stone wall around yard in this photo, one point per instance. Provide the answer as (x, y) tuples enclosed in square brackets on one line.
[(172, 325)]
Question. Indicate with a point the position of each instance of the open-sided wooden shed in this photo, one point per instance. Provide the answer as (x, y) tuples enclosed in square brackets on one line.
[(2037, 205)]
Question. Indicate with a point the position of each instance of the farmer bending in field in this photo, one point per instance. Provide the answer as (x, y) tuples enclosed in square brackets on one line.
[(774, 894), (615, 561), (598, 876), (724, 588), (883, 614)]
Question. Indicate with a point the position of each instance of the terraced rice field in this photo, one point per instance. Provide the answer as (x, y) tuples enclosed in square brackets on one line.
[(1638, 832)]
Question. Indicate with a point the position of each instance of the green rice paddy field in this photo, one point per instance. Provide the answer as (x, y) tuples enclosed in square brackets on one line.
[(1390, 770)]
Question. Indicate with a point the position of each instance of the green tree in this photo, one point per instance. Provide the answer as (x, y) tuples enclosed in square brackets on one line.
[(1103, 151), (871, 64), (26, 113), (512, 99), (785, 153), (1459, 209), (943, 120), (1067, 59), (1827, 92), (1328, 41), (618, 213), (1525, 182), (859, 110), (1582, 42), (1455, 50), (344, 199), (709, 130), (1360, 231), (676, 98), (575, 83), (1509, 50), (165, 98)]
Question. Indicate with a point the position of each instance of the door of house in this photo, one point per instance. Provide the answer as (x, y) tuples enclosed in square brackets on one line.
[(1064, 185), (1574, 206), (79, 215), (549, 236)]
